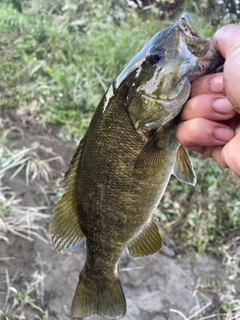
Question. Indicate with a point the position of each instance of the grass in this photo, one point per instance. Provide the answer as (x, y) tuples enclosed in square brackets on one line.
[(205, 219), (57, 60), (224, 291), (24, 222), (28, 160), (18, 301), (60, 70), (20, 220), (205, 216)]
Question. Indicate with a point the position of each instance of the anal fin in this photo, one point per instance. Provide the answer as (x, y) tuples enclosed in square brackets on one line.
[(147, 242)]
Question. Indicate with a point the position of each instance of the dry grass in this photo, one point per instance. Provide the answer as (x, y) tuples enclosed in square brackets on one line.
[(25, 222), (28, 160), (21, 220), (223, 290), (30, 295)]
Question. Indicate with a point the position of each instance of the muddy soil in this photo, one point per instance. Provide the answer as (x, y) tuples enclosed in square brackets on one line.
[(159, 287)]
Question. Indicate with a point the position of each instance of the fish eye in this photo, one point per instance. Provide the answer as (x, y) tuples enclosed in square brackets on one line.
[(155, 57)]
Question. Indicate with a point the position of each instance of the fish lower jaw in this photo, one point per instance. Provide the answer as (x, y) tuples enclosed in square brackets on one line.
[(211, 61)]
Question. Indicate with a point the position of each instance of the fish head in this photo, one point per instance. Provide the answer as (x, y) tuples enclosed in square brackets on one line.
[(160, 76)]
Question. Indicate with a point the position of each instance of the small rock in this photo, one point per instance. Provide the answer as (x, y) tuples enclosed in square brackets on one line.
[(168, 251)]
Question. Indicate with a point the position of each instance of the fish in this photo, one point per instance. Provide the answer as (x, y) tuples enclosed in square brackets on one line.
[(123, 164)]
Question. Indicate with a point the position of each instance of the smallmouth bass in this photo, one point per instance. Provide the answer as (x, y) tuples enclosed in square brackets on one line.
[(122, 165)]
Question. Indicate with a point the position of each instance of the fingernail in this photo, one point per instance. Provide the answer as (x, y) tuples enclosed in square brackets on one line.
[(222, 105), (216, 84), (223, 134)]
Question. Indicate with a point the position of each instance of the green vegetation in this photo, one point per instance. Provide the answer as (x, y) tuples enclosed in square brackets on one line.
[(206, 219), (58, 66), (31, 295), (206, 216), (57, 60)]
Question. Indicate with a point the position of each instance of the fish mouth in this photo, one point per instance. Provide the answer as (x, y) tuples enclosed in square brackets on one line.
[(185, 25), (194, 42), (195, 49)]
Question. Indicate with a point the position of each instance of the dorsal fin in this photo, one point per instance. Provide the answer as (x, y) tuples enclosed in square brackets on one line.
[(147, 242), (64, 230), (183, 169)]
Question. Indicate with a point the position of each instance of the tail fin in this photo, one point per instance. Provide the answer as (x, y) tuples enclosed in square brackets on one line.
[(103, 297)]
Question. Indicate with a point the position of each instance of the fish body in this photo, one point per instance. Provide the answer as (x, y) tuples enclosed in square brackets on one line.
[(123, 164)]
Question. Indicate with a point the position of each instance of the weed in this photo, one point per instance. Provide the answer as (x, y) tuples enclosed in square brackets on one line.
[(21, 220), (58, 60), (206, 216), (18, 301), (206, 219), (223, 291), (230, 252), (28, 159)]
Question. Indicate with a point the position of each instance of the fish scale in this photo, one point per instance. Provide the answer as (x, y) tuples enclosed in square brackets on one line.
[(123, 164)]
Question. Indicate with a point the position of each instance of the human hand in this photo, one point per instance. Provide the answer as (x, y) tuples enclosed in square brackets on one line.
[(210, 120)]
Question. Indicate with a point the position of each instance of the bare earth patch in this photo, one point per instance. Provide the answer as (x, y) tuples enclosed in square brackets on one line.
[(158, 287)]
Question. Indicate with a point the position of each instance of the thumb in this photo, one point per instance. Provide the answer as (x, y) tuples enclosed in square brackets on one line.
[(227, 42)]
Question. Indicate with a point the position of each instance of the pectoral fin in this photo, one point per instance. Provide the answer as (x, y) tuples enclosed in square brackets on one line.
[(151, 156), (147, 242), (64, 230), (183, 169)]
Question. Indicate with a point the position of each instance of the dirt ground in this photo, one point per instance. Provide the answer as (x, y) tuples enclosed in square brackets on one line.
[(159, 287)]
